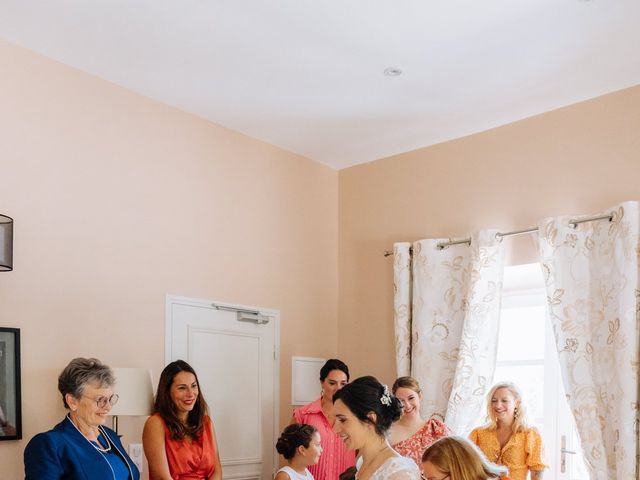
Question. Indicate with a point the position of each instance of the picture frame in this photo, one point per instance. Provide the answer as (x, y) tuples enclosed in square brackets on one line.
[(10, 386)]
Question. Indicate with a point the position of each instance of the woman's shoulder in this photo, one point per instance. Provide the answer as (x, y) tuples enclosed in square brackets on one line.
[(434, 427), (155, 420), (397, 467), (313, 407), (531, 433)]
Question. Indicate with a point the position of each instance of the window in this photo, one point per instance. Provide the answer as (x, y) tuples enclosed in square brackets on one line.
[(527, 356)]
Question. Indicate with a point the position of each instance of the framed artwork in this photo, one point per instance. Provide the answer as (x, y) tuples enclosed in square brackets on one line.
[(305, 379), (10, 399)]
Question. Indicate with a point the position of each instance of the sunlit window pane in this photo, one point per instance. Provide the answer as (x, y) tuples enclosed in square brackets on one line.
[(521, 334)]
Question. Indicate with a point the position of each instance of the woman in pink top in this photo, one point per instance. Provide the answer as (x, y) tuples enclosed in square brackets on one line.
[(335, 457)]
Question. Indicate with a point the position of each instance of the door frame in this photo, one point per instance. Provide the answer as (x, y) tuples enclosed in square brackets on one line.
[(273, 314)]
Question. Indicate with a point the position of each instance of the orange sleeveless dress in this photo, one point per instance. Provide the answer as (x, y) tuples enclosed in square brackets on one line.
[(190, 460)]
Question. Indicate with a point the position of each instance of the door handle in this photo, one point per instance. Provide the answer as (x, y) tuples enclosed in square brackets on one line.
[(563, 453)]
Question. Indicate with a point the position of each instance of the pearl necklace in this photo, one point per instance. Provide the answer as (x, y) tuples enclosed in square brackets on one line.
[(95, 444)]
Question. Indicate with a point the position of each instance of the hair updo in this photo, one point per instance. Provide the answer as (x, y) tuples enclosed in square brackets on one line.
[(294, 436), (365, 395)]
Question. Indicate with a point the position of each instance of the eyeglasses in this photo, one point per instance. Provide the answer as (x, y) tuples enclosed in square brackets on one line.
[(101, 402)]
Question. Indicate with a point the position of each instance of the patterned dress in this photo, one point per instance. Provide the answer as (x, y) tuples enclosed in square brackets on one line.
[(523, 451), (414, 446)]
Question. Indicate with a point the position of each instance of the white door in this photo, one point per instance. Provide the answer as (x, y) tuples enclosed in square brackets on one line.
[(234, 351)]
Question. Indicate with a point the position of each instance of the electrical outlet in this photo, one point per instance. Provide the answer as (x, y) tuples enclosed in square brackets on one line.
[(135, 452)]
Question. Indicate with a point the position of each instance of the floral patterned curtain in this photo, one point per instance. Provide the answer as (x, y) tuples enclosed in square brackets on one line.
[(591, 276), (447, 306)]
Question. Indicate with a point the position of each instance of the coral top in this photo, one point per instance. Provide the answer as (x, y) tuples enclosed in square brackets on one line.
[(414, 446), (335, 457), (523, 451), (190, 459)]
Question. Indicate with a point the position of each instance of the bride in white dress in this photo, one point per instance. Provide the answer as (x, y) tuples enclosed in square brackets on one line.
[(364, 410)]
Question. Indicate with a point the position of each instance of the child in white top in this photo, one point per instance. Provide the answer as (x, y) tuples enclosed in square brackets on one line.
[(300, 445)]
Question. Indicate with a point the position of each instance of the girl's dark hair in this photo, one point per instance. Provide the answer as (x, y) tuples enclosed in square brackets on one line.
[(333, 364), (166, 407), (365, 395), (295, 435)]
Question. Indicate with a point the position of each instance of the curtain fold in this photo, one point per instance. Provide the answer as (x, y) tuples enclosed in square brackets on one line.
[(402, 306), (451, 317), (591, 278)]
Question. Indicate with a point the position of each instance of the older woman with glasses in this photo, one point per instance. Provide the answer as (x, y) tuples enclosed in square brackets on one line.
[(80, 447)]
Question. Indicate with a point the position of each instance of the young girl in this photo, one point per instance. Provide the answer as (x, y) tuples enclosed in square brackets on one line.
[(300, 445)]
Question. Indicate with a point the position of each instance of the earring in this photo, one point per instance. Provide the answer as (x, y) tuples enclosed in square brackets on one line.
[(322, 392), (515, 413)]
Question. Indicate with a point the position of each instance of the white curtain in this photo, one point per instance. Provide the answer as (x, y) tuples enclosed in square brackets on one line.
[(591, 275), (447, 307)]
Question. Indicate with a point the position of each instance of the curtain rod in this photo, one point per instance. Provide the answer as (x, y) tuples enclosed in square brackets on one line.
[(573, 223)]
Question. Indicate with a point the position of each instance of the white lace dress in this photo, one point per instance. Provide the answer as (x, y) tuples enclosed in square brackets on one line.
[(397, 468)]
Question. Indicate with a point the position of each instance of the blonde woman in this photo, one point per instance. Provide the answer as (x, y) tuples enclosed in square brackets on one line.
[(455, 458), (507, 439), (412, 434)]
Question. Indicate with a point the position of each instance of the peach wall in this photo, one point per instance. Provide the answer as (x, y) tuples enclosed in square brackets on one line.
[(119, 200), (579, 159)]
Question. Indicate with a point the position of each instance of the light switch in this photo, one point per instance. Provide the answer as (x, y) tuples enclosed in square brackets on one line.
[(135, 452)]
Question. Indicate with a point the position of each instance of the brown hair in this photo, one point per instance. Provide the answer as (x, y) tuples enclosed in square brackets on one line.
[(406, 382), (461, 460), (166, 407)]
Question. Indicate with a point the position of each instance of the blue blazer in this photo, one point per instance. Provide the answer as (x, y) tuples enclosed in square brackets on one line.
[(65, 454)]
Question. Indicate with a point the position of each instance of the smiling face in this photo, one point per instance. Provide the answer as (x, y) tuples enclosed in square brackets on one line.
[(410, 401), (85, 410), (334, 381), (184, 392), (311, 454), (503, 405), (431, 472), (354, 432)]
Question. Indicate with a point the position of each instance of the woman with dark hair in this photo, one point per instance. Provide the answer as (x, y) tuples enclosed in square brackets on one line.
[(179, 440), (80, 447), (334, 375), (364, 410), (412, 434), (300, 446)]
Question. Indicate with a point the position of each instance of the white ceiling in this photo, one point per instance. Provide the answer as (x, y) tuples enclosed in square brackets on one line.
[(307, 75)]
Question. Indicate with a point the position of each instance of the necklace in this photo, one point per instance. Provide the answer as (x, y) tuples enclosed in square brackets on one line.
[(95, 444), (370, 462)]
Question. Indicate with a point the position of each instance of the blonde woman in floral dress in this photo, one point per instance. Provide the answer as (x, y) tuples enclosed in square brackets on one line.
[(507, 439), (411, 434)]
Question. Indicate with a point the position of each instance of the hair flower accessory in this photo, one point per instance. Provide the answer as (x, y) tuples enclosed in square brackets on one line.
[(385, 399)]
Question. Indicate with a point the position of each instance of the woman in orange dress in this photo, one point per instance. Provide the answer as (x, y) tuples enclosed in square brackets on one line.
[(507, 439), (179, 440), (411, 435)]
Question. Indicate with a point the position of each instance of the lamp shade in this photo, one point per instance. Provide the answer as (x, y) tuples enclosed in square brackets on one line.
[(6, 243), (133, 385)]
